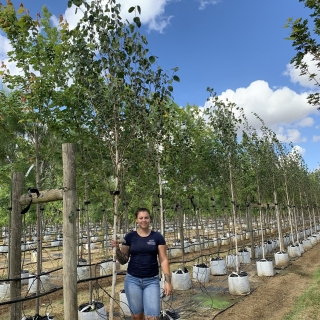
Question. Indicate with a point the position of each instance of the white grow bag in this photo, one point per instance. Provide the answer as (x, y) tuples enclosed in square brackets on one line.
[(201, 273), (107, 267), (231, 261), (99, 312), (307, 245), (244, 256), (24, 274), (294, 251), (124, 305), (181, 280), (82, 273), (258, 251), (218, 266), (265, 268), (175, 252), (45, 285), (301, 248), (281, 259), (238, 283), (4, 291)]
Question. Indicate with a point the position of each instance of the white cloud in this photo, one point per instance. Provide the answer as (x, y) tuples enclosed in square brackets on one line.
[(289, 135), (282, 109), (298, 149), (306, 122), (282, 106), (316, 138), (5, 47), (152, 13), (205, 3), (302, 80)]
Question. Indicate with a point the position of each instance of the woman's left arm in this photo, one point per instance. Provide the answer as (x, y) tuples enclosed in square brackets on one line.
[(164, 262)]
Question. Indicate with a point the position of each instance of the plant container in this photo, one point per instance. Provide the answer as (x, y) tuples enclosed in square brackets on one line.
[(238, 283), (244, 256), (181, 279), (92, 311), (265, 268), (24, 274), (45, 285), (281, 259), (4, 290), (294, 251), (201, 273), (231, 261), (106, 267), (307, 245), (124, 305), (218, 266)]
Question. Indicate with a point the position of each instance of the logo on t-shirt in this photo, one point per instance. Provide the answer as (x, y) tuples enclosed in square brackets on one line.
[(151, 242)]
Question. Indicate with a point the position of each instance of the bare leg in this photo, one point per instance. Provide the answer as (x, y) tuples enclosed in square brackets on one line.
[(137, 316), (151, 318)]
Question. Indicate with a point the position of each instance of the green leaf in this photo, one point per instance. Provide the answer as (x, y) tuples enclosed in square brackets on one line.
[(69, 3), (152, 59), (137, 21), (144, 39), (131, 26), (139, 9), (170, 88), (129, 50), (176, 78), (120, 75), (20, 10), (77, 3), (131, 9)]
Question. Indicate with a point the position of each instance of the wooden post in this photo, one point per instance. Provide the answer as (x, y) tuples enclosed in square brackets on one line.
[(15, 246), (70, 297)]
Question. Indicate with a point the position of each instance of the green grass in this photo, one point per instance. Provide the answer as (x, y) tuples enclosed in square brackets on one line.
[(308, 304), (213, 302)]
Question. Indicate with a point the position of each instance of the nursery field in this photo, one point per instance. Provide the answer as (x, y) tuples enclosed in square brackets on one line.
[(269, 298), (91, 132)]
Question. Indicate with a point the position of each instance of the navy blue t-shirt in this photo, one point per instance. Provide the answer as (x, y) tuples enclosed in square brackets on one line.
[(143, 261)]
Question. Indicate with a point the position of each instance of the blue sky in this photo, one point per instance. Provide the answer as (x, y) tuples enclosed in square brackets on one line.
[(238, 47)]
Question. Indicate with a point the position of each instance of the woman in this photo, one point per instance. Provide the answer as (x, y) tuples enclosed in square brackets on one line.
[(141, 284)]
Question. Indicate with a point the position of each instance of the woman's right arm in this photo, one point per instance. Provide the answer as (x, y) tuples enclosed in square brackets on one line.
[(123, 253)]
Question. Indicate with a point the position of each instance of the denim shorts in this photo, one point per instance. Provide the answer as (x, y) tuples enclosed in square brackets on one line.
[(143, 295)]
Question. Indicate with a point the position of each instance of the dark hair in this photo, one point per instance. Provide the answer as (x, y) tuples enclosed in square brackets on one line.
[(142, 210)]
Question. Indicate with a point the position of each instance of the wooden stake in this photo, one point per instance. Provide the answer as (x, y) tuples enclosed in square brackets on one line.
[(15, 246), (70, 297)]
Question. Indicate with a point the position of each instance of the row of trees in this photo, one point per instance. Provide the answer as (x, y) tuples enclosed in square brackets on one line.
[(98, 87)]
